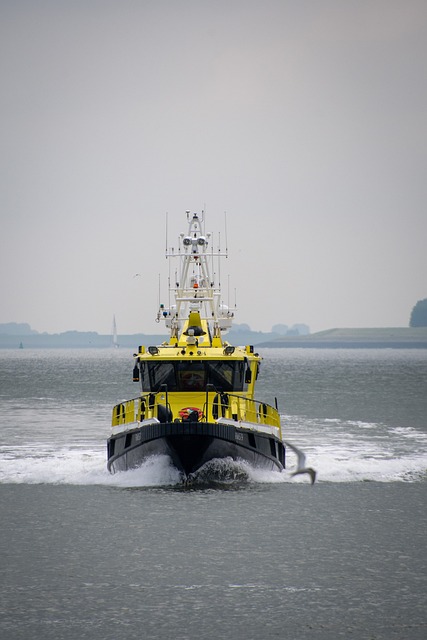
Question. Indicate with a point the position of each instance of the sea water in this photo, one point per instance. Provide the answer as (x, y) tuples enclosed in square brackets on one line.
[(255, 555)]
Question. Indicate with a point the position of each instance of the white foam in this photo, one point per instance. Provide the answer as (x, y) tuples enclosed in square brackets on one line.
[(156, 471), (340, 451), (87, 466), (356, 451), (38, 465), (79, 466)]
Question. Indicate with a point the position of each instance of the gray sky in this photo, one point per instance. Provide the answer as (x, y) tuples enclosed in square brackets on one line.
[(305, 120)]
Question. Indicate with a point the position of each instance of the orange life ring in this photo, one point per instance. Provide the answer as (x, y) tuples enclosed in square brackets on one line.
[(184, 413)]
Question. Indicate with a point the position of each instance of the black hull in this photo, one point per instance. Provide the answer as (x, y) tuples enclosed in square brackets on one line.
[(191, 444)]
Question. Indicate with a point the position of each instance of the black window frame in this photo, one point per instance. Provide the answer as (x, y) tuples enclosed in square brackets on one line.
[(193, 375)]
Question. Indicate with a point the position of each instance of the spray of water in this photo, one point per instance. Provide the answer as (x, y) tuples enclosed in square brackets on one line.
[(339, 451)]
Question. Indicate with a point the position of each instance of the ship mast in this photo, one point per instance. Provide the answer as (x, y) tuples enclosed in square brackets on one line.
[(115, 340), (196, 293)]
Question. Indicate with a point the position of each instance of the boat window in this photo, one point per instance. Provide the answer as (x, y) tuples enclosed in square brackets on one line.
[(194, 375), (159, 373), (143, 376), (226, 376), (191, 376)]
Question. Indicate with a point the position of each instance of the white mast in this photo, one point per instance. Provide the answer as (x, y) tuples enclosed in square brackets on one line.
[(195, 288)]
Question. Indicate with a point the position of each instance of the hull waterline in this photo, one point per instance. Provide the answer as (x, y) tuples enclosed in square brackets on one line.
[(192, 445)]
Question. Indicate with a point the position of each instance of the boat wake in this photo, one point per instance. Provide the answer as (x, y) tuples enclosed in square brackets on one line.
[(340, 451), (87, 466), (224, 471), (356, 451)]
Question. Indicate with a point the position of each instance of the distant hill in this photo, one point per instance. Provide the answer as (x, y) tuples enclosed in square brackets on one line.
[(393, 337), (17, 329)]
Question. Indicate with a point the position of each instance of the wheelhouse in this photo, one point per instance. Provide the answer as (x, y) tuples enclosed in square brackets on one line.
[(230, 375)]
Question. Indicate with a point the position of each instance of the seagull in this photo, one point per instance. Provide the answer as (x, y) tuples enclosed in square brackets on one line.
[(301, 468)]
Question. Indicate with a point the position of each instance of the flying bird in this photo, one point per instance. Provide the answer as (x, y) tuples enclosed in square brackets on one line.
[(301, 468)]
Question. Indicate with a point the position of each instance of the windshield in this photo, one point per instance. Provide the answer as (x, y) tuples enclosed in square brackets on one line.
[(193, 375)]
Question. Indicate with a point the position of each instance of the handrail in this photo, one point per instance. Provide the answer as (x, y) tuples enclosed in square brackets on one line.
[(240, 408), (165, 406)]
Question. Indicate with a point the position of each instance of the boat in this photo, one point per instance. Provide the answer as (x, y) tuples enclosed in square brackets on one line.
[(115, 339), (197, 391)]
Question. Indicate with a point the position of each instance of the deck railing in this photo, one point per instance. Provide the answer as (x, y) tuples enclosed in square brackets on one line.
[(172, 407)]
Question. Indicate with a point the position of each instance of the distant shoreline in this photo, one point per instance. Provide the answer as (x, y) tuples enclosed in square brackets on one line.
[(75, 340), (364, 338), (343, 344)]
